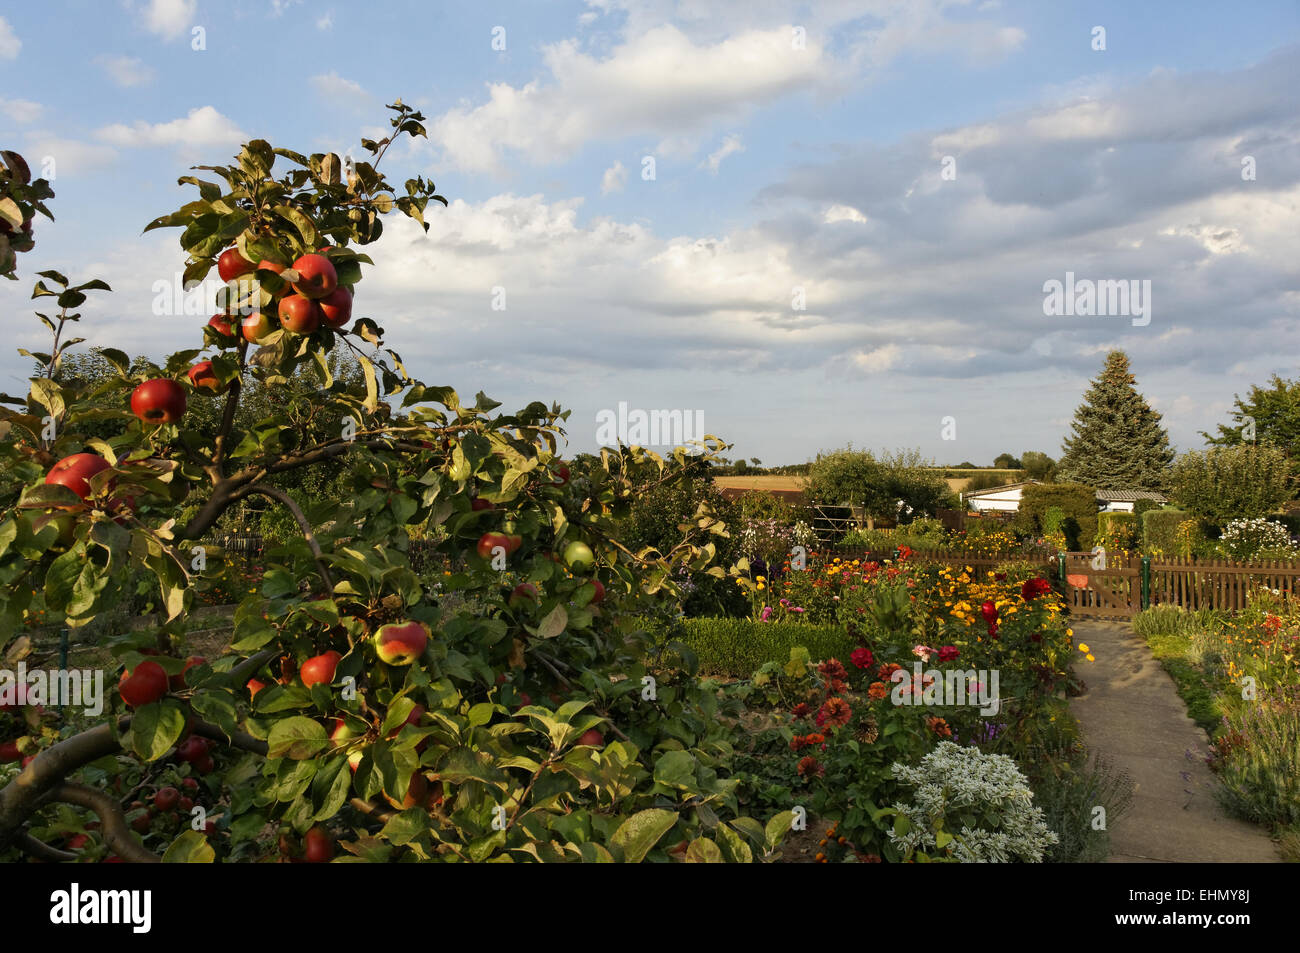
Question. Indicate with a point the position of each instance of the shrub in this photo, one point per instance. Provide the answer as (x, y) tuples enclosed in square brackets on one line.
[(1144, 506), (1261, 769), (1069, 798), (1077, 502), (760, 505), (1160, 531), (1117, 531), (1250, 538), (985, 793), (1230, 482), (737, 647)]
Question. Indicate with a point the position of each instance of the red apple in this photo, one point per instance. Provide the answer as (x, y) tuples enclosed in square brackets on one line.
[(190, 784), (141, 823), (401, 643), (9, 752), (192, 749), (524, 594), (415, 793), (336, 307), (592, 737), (477, 504), (177, 682), (490, 541), (78, 841), (166, 798), (232, 265), (318, 846), (600, 592), (316, 276), (299, 314), (203, 377), (158, 401), (319, 669), (146, 683), (186, 804), (221, 324), (74, 471), (205, 764), (256, 327), (276, 268)]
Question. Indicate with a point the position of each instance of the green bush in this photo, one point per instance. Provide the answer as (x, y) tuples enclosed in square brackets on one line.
[(1076, 501), (1160, 531), (1117, 529), (736, 647), (1143, 506)]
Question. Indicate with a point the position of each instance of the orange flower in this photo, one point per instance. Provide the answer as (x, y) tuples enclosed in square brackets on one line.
[(877, 690), (939, 727), (836, 711)]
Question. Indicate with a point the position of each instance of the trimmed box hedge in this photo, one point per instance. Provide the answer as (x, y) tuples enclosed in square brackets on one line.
[(1160, 531)]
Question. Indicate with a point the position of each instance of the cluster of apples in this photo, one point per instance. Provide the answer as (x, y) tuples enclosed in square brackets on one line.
[(167, 808), (317, 846)]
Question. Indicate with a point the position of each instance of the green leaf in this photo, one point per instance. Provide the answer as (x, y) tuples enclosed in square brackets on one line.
[(640, 832), (676, 769), (155, 728), (190, 848), (296, 738), (555, 622), (703, 851), (733, 846), (777, 827)]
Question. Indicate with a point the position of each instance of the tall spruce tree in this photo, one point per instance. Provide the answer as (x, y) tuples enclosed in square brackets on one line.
[(1117, 442)]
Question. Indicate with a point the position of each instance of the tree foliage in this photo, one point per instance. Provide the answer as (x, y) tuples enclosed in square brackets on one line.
[(1268, 415), (1230, 482), (530, 728), (1116, 441)]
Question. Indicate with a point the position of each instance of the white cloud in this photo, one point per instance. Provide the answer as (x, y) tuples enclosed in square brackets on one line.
[(68, 155), (879, 359), (325, 22), (20, 110), (203, 126), (169, 18), (9, 42), (337, 90), (729, 145), (843, 213), (614, 179), (658, 83), (126, 71)]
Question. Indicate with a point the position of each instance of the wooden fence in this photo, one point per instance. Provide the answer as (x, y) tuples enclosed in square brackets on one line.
[(1219, 584)]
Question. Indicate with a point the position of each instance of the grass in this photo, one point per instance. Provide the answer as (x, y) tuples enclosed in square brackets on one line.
[(1171, 634)]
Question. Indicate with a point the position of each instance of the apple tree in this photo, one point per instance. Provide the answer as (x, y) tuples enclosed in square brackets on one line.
[(506, 706)]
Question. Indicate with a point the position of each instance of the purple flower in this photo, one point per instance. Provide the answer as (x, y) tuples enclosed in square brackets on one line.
[(766, 614)]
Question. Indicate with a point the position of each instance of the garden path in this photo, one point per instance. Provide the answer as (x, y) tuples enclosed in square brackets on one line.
[(1131, 713)]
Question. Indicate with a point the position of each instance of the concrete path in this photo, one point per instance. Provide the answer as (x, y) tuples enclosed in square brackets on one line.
[(1131, 713)]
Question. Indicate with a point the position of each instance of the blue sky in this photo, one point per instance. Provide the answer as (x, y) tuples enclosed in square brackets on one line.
[(778, 167)]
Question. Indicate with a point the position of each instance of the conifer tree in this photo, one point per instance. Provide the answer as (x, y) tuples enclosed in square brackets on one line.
[(1117, 442)]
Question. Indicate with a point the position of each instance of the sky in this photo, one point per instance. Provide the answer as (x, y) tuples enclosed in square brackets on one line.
[(807, 224)]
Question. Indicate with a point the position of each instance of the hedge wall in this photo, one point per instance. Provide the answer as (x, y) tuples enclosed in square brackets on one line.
[(1121, 525), (1160, 531), (736, 647), (1077, 502)]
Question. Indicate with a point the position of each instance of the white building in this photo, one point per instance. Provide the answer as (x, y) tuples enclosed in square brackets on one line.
[(1004, 498), (1121, 501)]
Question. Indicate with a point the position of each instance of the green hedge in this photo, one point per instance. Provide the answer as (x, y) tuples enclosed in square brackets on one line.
[(1160, 531), (1123, 525), (1076, 501), (736, 647)]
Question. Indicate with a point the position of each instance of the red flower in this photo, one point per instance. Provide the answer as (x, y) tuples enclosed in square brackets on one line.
[(808, 765), (948, 652), (887, 670), (989, 611), (1034, 588), (832, 669), (1036, 637), (862, 658), (836, 711), (800, 710)]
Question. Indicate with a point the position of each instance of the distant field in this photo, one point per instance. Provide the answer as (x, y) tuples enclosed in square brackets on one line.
[(795, 483)]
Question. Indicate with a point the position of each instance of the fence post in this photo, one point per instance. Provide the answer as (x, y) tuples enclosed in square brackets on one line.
[(1060, 567), (897, 553), (1146, 582), (63, 650)]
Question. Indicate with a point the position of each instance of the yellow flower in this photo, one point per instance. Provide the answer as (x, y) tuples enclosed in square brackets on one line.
[(760, 578), (761, 587), (1090, 658), (1083, 647)]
